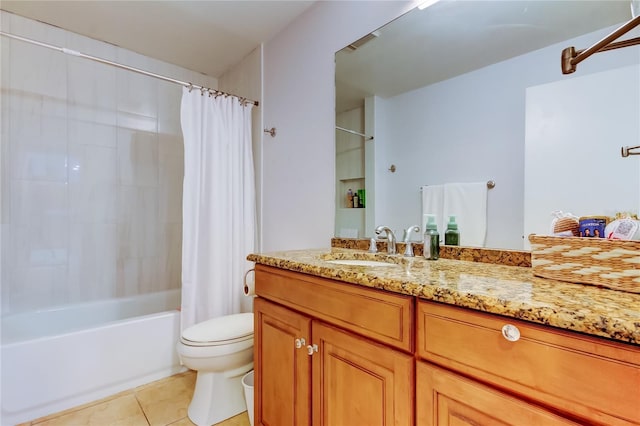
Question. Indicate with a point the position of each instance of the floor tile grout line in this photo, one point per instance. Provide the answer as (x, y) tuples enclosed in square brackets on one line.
[(144, 413)]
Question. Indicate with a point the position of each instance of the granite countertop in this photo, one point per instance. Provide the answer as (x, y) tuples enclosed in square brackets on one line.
[(512, 291)]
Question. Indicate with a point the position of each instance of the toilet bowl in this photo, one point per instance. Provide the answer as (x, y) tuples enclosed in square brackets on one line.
[(220, 350)]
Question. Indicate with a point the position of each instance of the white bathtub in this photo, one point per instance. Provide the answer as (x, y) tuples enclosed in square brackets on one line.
[(57, 359)]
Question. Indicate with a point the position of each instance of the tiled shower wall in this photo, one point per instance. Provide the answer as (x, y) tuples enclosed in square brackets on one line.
[(92, 167)]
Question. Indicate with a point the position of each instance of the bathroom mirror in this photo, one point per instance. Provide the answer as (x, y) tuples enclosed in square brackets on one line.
[(464, 91)]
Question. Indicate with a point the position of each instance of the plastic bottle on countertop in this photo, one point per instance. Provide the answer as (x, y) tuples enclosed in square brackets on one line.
[(452, 235), (431, 248)]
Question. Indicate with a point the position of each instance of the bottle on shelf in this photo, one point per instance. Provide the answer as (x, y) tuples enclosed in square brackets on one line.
[(356, 202), (452, 235), (431, 248), (349, 198), (361, 198)]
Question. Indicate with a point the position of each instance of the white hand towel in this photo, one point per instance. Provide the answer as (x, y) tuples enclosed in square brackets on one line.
[(468, 202), (433, 203)]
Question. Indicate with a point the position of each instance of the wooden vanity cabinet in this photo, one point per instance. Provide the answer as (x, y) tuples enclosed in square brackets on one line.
[(334, 354), (319, 358), (579, 376)]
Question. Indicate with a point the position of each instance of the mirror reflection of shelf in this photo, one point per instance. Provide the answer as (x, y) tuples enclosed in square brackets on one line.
[(351, 172), (353, 184)]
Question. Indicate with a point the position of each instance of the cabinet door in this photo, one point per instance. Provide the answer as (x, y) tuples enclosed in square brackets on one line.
[(283, 370), (358, 382), (444, 398)]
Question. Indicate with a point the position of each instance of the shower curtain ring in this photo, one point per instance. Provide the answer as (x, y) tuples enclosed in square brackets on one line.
[(202, 90), (190, 87)]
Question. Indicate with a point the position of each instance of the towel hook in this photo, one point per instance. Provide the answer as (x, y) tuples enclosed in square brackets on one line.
[(628, 150), (271, 131)]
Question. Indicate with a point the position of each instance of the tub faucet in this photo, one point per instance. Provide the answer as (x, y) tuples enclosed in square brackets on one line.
[(391, 239), (408, 247)]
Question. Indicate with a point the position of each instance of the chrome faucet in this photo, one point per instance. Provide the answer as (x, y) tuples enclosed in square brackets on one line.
[(408, 247), (391, 238)]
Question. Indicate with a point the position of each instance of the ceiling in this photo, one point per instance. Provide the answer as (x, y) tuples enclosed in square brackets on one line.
[(453, 37), (447, 39), (204, 36)]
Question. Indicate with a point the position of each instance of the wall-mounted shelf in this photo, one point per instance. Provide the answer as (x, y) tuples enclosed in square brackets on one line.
[(343, 187)]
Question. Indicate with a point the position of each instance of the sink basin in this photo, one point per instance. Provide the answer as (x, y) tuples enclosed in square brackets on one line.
[(361, 262)]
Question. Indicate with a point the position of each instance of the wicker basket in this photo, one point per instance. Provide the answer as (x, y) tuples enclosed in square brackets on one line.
[(595, 261)]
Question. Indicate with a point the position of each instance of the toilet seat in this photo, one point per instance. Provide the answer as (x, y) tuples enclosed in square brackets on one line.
[(220, 331), (215, 343)]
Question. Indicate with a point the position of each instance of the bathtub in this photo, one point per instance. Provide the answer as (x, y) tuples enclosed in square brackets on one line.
[(60, 358)]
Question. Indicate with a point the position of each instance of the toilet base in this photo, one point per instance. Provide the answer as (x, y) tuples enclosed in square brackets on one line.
[(217, 396)]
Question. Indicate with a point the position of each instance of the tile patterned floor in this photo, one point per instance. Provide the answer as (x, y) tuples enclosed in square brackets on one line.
[(160, 403)]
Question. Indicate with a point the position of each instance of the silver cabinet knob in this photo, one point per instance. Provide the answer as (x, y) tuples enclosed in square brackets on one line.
[(312, 348), (511, 332), (300, 342)]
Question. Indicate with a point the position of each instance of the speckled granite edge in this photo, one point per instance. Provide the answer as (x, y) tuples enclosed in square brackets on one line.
[(503, 290), (472, 254)]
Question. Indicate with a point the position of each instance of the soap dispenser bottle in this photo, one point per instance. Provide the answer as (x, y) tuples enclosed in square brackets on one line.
[(431, 248), (452, 235)]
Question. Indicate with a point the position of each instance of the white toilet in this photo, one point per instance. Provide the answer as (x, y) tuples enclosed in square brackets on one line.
[(221, 351)]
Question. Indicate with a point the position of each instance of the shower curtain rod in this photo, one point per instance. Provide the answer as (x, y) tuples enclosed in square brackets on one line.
[(190, 86), (367, 138)]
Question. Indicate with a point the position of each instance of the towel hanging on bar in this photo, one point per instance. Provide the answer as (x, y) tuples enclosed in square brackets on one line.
[(492, 183)]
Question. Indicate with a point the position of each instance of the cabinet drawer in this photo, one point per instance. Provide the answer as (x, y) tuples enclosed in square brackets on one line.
[(446, 398), (379, 315), (588, 377)]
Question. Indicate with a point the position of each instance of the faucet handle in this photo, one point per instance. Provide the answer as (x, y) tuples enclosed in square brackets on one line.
[(408, 250), (373, 247), (407, 232), (408, 247)]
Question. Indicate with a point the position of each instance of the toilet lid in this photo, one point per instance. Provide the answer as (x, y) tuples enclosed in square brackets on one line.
[(220, 329)]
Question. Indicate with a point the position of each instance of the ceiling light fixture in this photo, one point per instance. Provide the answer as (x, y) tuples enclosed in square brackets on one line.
[(426, 4)]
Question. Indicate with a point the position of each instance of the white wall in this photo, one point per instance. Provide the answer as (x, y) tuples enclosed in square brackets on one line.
[(465, 129), (472, 128), (575, 129), (299, 100)]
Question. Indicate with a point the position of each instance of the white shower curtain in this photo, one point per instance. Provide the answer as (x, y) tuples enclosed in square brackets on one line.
[(218, 210)]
